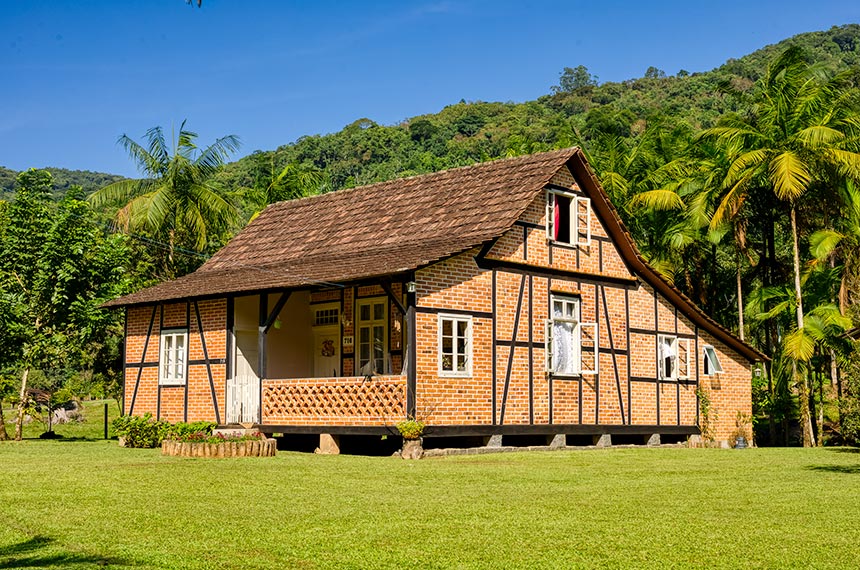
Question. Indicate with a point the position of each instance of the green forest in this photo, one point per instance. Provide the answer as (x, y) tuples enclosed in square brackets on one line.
[(741, 185)]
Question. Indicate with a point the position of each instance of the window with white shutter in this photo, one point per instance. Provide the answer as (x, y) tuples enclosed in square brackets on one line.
[(172, 357), (568, 218), (571, 345)]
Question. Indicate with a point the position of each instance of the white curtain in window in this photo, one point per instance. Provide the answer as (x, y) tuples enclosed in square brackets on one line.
[(563, 357), (667, 357)]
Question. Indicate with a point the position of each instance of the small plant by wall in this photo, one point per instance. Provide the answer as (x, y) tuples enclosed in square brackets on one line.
[(707, 415), (411, 430), (742, 434)]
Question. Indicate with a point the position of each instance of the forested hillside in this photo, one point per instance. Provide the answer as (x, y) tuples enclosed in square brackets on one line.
[(576, 111), (63, 180)]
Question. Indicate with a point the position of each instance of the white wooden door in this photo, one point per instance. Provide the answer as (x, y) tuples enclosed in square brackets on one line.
[(326, 352), (243, 390)]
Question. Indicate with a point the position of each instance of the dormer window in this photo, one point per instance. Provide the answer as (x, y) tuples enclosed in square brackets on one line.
[(568, 218)]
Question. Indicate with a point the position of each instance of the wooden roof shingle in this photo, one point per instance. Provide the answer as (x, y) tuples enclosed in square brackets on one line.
[(394, 227), (380, 229)]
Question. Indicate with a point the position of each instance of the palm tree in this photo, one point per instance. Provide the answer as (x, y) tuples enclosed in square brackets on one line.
[(175, 201), (802, 128)]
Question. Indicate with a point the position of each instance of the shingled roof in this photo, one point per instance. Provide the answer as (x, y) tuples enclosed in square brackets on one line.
[(397, 226), (381, 229)]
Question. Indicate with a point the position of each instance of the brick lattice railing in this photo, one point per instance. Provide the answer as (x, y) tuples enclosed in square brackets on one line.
[(378, 401)]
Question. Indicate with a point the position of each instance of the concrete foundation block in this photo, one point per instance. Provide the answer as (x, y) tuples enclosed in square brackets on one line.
[(329, 444), (493, 441), (557, 440), (603, 440)]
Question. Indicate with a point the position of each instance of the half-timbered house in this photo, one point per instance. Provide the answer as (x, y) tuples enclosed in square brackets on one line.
[(497, 300)]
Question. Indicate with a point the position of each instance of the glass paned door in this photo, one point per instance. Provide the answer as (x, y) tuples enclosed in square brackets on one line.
[(373, 334)]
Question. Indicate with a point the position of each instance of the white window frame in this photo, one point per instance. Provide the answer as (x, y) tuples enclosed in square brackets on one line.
[(716, 367), (680, 369), (579, 237), (359, 324), (455, 319), (578, 328), (168, 373), (325, 309)]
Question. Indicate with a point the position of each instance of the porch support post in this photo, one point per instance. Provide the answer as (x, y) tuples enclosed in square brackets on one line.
[(412, 352), (267, 321), (386, 286), (231, 340), (261, 347)]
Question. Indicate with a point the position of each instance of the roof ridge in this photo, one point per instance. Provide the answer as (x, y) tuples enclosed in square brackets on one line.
[(478, 165)]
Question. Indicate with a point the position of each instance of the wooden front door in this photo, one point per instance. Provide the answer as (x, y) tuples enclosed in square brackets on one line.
[(243, 390)]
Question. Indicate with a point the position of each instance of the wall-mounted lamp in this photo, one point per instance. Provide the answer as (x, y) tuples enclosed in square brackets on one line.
[(410, 287), (344, 321)]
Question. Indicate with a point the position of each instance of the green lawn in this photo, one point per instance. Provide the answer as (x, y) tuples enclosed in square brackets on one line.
[(88, 504), (91, 428)]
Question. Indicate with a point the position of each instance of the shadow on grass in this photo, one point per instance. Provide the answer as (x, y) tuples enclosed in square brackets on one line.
[(64, 439), (847, 469), (42, 552), (844, 449)]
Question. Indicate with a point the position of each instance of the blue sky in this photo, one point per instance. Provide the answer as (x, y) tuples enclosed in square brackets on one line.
[(77, 74)]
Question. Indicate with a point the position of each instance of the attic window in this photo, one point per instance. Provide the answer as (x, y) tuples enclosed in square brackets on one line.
[(568, 218)]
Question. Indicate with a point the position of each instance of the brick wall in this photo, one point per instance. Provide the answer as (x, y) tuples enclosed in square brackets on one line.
[(169, 402), (625, 391)]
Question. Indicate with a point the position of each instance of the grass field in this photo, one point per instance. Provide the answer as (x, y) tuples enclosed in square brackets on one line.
[(91, 428), (90, 504)]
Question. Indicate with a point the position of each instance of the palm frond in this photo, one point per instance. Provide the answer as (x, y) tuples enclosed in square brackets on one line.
[(799, 345), (658, 200), (819, 135), (119, 192), (829, 315), (216, 154), (158, 151), (789, 175), (743, 166), (847, 162), (160, 214), (823, 242), (732, 201), (146, 163)]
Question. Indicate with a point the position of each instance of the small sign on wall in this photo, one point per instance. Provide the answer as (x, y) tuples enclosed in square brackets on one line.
[(347, 341)]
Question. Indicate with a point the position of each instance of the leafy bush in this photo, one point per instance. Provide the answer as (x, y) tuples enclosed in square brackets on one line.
[(141, 431), (182, 429), (144, 431), (411, 428)]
